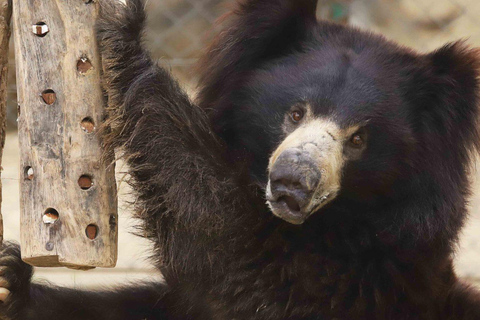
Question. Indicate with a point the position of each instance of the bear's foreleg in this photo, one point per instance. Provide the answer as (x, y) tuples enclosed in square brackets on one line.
[(20, 299), (187, 196)]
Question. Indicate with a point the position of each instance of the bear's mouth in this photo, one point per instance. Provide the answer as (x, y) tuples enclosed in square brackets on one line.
[(289, 209), (291, 203)]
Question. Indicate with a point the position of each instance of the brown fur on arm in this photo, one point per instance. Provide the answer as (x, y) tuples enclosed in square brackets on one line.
[(463, 302), (185, 191)]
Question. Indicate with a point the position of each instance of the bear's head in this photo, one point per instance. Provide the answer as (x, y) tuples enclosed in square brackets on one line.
[(324, 115)]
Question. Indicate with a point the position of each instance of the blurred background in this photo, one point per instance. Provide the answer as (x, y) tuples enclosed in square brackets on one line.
[(177, 32)]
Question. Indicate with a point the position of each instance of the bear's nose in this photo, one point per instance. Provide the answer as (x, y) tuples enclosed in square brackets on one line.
[(293, 178)]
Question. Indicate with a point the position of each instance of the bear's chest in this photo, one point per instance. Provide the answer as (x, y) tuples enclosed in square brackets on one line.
[(300, 287), (309, 285)]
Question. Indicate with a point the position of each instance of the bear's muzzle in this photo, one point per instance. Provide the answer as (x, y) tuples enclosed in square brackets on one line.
[(305, 171)]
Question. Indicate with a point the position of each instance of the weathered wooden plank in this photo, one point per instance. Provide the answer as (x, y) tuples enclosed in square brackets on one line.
[(68, 195), (5, 15)]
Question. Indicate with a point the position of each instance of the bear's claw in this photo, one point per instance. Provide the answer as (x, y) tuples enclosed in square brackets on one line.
[(4, 294)]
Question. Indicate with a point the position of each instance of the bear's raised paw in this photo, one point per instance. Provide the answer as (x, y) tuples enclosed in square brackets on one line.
[(15, 276)]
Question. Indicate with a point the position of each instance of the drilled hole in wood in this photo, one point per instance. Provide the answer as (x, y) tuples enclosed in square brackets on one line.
[(113, 220), (29, 173), (91, 231), (49, 96), (40, 29), (49, 246), (85, 182), (84, 65), (88, 125), (50, 216)]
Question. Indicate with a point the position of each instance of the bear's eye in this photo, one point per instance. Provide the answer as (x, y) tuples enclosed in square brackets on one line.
[(296, 115), (356, 140)]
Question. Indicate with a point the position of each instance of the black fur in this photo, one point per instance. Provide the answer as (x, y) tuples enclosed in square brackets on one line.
[(381, 250)]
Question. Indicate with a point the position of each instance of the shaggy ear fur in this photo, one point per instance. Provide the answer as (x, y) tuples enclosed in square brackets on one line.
[(255, 31), (451, 93)]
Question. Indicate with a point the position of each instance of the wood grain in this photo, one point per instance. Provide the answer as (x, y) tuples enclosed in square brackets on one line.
[(5, 15), (58, 76)]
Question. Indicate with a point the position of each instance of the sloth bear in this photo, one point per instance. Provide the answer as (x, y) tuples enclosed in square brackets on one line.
[(322, 173)]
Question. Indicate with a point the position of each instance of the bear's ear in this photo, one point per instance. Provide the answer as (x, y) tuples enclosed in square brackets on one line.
[(254, 31), (456, 67), (449, 98)]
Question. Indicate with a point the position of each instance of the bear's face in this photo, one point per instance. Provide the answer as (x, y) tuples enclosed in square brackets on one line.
[(334, 127), (305, 171)]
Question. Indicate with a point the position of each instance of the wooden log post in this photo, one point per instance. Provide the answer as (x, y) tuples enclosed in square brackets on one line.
[(68, 194), (5, 15)]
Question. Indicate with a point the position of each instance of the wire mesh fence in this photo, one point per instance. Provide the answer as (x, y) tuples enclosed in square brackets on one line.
[(179, 29)]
